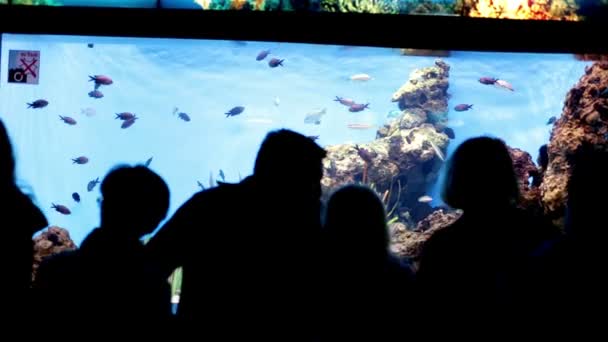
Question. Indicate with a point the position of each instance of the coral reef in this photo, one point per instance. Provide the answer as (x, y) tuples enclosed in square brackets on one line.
[(254, 5), (427, 6), (525, 168), (407, 153), (407, 243), (426, 89), (361, 6), (584, 119), (521, 9), (52, 241)]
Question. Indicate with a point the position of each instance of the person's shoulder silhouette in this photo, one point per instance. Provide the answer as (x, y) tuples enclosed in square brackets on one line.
[(21, 218)]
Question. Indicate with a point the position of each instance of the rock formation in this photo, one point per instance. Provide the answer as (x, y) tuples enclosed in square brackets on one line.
[(524, 170), (52, 241), (426, 89), (584, 119), (407, 243), (407, 153)]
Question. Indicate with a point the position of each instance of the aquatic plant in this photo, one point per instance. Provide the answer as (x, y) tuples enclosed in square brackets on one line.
[(361, 6), (386, 198)]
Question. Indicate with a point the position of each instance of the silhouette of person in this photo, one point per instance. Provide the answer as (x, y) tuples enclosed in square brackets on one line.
[(249, 251), (571, 277), (21, 219), (469, 270), (109, 278), (361, 276)]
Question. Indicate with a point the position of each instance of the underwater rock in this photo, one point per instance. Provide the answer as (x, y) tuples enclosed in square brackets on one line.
[(583, 119), (426, 89), (408, 243), (524, 169), (592, 57), (422, 52), (404, 162), (52, 241)]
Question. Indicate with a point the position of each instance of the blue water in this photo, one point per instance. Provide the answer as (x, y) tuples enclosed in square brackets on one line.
[(180, 4), (206, 78)]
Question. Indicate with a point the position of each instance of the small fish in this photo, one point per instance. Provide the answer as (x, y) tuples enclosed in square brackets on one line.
[(92, 184), (314, 117), (147, 163), (488, 80), (184, 117), (463, 107), (262, 55), (456, 123), (38, 104), (128, 123), (425, 199), (504, 84), (80, 160), (235, 111), (277, 101), (68, 120), (76, 197), (175, 110), (61, 209), (236, 42), (91, 45), (99, 200), (345, 101), (393, 114), (358, 107), (200, 185), (96, 94), (125, 116), (222, 176), (438, 152), (365, 154), (449, 132), (90, 112), (275, 62), (360, 77), (100, 80), (360, 126), (551, 120)]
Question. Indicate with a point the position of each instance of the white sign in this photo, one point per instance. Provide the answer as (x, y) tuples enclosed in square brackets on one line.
[(23, 66)]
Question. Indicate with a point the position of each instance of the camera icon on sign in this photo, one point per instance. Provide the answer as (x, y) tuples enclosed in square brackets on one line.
[(17, 75)]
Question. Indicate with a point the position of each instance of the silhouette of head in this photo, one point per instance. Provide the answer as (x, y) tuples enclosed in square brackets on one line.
[(135, 200), (7, 160), (587, 185), (355, 224), (480, 176), (291, 162)]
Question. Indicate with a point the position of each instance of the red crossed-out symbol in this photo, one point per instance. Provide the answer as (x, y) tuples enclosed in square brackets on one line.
[(28, 67)]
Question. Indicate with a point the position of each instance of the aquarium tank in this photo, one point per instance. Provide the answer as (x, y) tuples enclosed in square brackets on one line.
[(196, 111)]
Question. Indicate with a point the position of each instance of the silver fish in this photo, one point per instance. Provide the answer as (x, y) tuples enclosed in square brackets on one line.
[(314, 117)]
